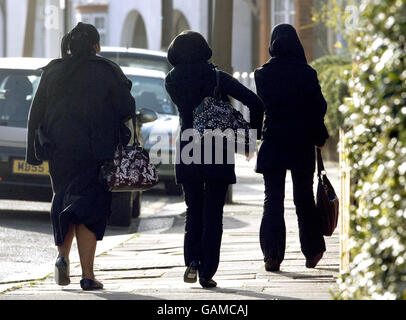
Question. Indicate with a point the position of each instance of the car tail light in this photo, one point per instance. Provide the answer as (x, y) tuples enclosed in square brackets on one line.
[(172, 140)]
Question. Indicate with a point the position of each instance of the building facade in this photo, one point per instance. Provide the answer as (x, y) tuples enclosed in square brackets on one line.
[(140, 23)]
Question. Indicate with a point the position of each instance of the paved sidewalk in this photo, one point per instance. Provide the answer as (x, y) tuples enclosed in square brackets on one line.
[(150, 265)]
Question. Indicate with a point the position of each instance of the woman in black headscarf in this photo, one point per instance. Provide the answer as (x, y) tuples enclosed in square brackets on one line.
[(205, 185), (80, 106), (293, 126)]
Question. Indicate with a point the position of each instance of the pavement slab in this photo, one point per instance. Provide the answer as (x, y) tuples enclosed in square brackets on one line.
[(150, 266)]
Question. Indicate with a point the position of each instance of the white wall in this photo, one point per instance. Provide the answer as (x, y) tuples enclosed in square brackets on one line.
[(53, 28), (48, 28), (195, 12), (1, 33), (242, 37), (40, 30), (16, 17)]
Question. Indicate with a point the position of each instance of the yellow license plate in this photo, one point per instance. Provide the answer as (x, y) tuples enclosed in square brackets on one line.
[(22, 167)]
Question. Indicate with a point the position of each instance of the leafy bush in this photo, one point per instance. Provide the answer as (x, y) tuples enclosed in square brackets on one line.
[(376, 139), (333, 73)]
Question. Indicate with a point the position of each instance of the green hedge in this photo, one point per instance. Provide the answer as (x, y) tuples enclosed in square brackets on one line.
[(333, 73), (375, 128)]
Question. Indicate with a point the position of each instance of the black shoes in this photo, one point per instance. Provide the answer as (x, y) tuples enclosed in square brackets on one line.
[(312, 263), (62, 271), (207, 283), (190, 275), (272, 265), (90, 284)]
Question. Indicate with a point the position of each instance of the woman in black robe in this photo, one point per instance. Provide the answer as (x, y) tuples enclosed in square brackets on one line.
[(81, 104), (293, 126), (205, 185)]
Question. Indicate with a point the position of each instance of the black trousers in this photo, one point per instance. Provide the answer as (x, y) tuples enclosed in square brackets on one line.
[(273, 230), (204, 224)]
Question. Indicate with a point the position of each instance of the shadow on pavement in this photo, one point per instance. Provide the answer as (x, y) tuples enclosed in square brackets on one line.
[(109, 295), (251, 294), (228, 223), (35, 216)]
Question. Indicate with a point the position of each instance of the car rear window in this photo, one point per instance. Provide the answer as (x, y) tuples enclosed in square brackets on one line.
[(138, 61), (17, 89), (150, 93)]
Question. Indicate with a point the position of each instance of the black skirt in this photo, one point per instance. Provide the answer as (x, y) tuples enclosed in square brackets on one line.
[(80, 197)]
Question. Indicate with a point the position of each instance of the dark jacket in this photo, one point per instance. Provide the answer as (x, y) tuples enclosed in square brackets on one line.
[(294, 114), (294, 105), (188, 84), (80, 113)]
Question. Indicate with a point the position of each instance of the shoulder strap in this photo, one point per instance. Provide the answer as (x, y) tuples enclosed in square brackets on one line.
[(135, 138), (320, 165), (216, 92)]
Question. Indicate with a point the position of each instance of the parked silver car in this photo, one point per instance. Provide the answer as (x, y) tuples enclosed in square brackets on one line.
[(139, 58), (19, 79), (167, 123), (160, 135)]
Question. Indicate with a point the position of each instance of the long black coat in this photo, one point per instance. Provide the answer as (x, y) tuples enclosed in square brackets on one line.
[(81, 106), (81, 113), (188, 84), (294, 114)]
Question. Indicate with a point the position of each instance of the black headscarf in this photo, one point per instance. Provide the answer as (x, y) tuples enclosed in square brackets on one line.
[(77, 46), (79, 43), (285, 43), (188, 47)]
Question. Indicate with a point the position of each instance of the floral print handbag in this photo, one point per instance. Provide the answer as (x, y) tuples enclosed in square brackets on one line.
[(131, 169), (214, 113)]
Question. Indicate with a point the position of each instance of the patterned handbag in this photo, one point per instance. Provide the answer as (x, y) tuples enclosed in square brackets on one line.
[(131, 169), (214, 113)]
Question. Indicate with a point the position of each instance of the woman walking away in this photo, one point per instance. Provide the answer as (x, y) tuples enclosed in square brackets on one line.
[(81, 104), (293, 126), (205, 185)]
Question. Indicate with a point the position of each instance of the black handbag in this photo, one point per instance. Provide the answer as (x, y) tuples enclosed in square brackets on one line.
[(213, 113), (327, 201)]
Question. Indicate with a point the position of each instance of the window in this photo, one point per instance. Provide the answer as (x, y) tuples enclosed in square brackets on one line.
[(17, 89), (101, 26), (150, 93), (144, 61), (282, 11)]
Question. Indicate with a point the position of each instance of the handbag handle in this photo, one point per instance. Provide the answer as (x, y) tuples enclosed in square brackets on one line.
[(135, 138), (216, 92), (320, 165)]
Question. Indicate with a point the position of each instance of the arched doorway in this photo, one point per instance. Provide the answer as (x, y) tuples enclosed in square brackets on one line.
[(134, 32), (180, 22)]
